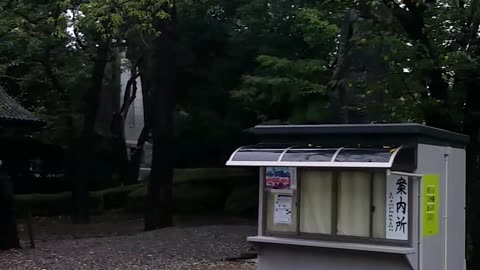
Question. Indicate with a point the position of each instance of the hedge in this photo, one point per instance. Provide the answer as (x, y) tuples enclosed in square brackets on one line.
[(59, 204), (114, 198), (226, 175), (195, 191), (243, 200), (188, 198), (44, 204), (200, 191)]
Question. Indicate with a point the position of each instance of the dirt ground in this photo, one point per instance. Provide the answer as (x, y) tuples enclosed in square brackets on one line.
[(112, 223), (245, 265), (196, 243)]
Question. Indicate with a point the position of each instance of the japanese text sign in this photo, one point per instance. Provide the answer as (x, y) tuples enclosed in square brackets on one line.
[(397, 207), (430, 204)]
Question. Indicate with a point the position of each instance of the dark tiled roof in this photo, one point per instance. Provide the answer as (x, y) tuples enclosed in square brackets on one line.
[(11, 111)]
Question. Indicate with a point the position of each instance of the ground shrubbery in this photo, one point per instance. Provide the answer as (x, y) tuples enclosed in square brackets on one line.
[(196, 191)]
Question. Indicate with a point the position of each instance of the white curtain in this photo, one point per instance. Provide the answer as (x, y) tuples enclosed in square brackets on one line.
[(353, 215), (271, 226), (379, 205), (316, 202)]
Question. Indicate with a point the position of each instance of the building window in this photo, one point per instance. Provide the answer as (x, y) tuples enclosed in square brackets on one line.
[(354, 205), (342, 204), (316, 205)]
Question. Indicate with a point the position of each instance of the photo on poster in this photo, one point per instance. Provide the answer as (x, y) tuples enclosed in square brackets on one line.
[(280, 178)]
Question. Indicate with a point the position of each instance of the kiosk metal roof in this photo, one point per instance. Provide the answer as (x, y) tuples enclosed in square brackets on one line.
[(262, 155), (365, 134)]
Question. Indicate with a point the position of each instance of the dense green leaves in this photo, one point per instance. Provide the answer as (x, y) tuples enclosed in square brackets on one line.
[(301, 67)]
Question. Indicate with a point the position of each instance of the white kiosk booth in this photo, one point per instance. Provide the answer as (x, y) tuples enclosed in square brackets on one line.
[(348, 197)]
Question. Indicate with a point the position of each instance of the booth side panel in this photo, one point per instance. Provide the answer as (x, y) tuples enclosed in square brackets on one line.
[(456, 209), (431, 160), (414, 223), (279, 257)]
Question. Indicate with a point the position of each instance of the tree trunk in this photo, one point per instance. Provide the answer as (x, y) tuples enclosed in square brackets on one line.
[(8, 225), (119, 146), (468, 81), (83, 148), (118, 128), (136, 156), (159, 208)]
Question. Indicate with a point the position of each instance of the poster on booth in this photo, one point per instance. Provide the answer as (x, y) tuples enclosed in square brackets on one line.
[(281, 178), (283, 209), (397, 207)]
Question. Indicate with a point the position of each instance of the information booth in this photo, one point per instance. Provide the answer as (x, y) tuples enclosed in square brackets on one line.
[(348, 197)]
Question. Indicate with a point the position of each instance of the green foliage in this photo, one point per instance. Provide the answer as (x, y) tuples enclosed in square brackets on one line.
[(243, 200), (318, 27), (210, 175), (202, 191), (196, 191), (111, 18), (290, 82), (60, 204), (136, 200), (44, 204), (199, 198), (290, 85), (48, 48), (114, 198)]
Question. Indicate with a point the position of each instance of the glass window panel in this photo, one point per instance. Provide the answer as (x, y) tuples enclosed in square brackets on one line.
[(316, 202), (277, 146), (364, 155), (257, 154), (321, 155), (353, 214), (270, 220), (379, 205)]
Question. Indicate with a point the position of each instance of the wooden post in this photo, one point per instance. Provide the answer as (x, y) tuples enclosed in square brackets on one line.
[(30, 228), (8, 226)]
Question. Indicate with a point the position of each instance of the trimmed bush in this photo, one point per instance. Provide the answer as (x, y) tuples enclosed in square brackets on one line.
[(54, 204), (243, 200), (136, 200), (188, 198), (212, 174), (44, 204), (198, 199), (198, 191), (195, 191), (60, 204), (114, 198)]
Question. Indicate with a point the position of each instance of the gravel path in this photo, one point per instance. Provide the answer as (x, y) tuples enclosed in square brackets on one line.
[(187, 248)]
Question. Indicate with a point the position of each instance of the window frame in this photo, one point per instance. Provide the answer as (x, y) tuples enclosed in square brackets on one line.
[(334, 237)]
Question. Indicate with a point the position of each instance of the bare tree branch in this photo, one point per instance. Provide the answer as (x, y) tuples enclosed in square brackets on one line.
[(129, 96)]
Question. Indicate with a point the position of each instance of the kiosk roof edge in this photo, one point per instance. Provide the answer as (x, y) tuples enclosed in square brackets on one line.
[(381, 130)]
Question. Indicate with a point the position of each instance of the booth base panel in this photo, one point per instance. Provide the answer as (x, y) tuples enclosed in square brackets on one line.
[(281, 257)]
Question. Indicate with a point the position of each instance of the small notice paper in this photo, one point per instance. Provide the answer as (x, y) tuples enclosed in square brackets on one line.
[(283, 209)]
